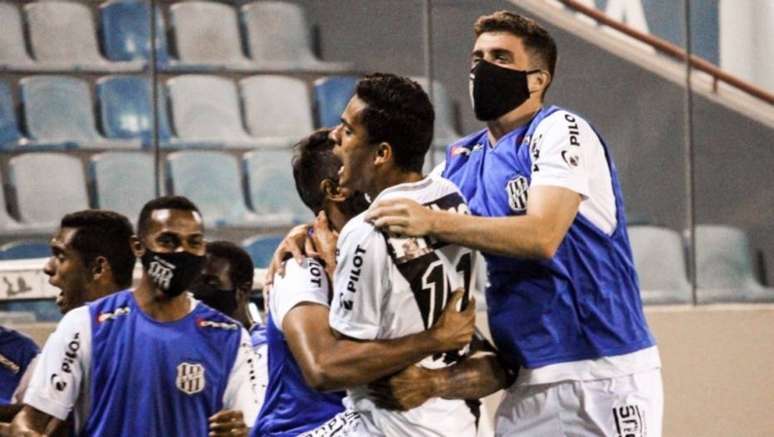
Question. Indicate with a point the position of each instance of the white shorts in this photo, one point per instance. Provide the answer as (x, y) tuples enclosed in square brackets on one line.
[(345, 424), (626, 406)]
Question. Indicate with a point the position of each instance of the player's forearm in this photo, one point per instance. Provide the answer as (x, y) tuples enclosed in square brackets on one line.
[(29, 421), (8, 412), (351, 363), (472, 378)]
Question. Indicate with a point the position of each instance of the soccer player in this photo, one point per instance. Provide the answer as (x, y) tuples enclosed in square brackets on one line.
[(226, 284), (304, 354), (387, 286), (563, 302), (91, 257), (149, 361)]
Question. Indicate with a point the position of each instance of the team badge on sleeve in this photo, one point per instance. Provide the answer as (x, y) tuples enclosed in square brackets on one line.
[(517, 193), (190, 378)]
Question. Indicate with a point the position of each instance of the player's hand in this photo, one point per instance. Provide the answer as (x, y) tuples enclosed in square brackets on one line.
[(401, 216), (405, 390), (324, 239), (228, 423), (293, 245), (454, 329)]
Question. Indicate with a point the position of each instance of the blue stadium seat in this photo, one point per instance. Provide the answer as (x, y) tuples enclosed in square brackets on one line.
[(63, 35), (41, 310), (261, 248), (122, 181), (13, 52), (279, 39), (206, 109), (126, 32), (271, 189), (24, 250), (207, 36), (659, 257), (277, 109), (211, 180), (125, 108), (331, 95), (724, 267), (10, 136), (47, 186), (58, 109)]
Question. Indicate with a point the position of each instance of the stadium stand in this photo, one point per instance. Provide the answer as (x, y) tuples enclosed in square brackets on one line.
[(63, 35), (211, 180), (724, 267), (207, 36), (206, 109), (121, 181), (444, 131), (277, 109), (59, 110), (278, 39), (270, 186), (24, 249), (126, 32), (659, 257), (261, 248), (13, 52), (331, 95), (10, 135), (126, 109), (46, 186)]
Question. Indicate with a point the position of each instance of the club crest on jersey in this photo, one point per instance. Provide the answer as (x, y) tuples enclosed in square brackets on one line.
[(190, 378), (517, 193)]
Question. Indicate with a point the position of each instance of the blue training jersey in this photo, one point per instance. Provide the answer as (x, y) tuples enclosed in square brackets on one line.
[(16, 352), (583, 303), (157, 379)]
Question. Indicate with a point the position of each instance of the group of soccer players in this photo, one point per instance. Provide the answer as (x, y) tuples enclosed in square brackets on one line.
[(374, 297)]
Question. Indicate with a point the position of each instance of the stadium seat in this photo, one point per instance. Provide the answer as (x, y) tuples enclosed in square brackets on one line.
[(444, 133), (13, 52), (24, 250), (9, 225), (10, 136), (207, 36), (331, 95), (277, 109), (724, 267), (125, 109), (122, 181), (59, 109), (211, 180), (279, 39), (271, 189), (62, 35), (46, 187), (261, 248), (206, 109), (126, 32), (659, 257)]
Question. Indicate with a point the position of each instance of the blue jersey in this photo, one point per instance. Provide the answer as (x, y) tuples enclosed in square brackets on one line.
[(584, 302), (291, 406), (258, 335), (16, 352), (157, 379)]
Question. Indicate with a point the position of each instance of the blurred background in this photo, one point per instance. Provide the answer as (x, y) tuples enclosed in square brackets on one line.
[(101, 108)]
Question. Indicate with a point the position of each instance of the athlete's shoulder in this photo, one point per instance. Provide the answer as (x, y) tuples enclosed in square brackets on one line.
[(119, 298), (357, 228), (561, 117), (211, 320), (468, 141)]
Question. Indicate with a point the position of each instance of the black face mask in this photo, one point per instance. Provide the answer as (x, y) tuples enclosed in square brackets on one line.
[(221, 299), (172, 272), (495, 91)]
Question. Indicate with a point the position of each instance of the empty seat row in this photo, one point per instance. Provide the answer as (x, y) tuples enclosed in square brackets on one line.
[(724, 266), (63, 36), (206, 111), (258, 191)]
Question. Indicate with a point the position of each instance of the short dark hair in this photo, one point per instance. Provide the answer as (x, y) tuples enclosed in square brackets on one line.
[(164, 202), (103, 233), (536, 39), (398, 111), (241, 264), (313, 162)]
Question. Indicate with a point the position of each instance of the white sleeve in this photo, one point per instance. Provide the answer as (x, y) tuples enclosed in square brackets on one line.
[(302, 283), (360, 282), (438, 169), (243, 386), (63, 366), (560, 151), (24, 382)]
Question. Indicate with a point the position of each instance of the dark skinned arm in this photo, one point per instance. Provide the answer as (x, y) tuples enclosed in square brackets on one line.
[(330, 362), (32, 422)]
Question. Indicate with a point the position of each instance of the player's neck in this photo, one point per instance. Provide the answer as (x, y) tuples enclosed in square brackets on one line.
[(392, 178), (157, 306), (520, 116)]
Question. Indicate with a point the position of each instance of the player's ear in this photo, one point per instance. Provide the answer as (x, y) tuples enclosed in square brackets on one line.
[(539, 81), (383, 153), (100, 267), (137, 248), (333, 191)]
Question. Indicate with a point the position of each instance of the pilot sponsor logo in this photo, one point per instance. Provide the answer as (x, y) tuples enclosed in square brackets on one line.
[(70, 355), (573, 129), (316, 271), (354, 276), (118, 312)]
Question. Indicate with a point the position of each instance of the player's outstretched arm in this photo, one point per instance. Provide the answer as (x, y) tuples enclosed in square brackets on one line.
[(30, 422), (537, 234), (329, 362)]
